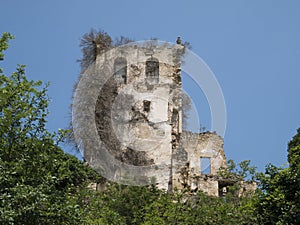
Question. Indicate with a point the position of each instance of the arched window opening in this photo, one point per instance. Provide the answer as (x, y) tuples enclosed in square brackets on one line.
[(152, 70), (120, 70)]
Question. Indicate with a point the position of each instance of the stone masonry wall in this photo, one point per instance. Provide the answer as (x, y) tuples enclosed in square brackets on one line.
[(188, 172)]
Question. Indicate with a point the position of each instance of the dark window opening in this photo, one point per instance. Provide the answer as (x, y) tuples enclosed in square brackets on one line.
[(205, 166), (226, 186), (222, 189), (152, 70), (146, 105), (120, 70)]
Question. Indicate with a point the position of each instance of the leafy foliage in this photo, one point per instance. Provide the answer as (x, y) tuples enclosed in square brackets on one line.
[(39, 182), (4, 44), (279, 198), (241, 172), (147, 205)]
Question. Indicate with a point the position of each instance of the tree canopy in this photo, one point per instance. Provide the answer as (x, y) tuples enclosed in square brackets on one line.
[(39, 182), (279, 195)]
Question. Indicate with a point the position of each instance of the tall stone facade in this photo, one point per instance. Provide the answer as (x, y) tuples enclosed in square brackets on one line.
[(139, 119)]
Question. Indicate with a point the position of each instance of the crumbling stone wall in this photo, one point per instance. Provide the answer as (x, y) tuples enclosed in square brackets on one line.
[(187, 164), (187, 172), (207, 144)]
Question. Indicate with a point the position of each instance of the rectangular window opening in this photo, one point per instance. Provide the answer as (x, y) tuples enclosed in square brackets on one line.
[(205, 166), (146, 105)]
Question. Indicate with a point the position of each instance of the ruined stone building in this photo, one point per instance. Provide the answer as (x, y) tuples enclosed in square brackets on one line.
[(138, 116)]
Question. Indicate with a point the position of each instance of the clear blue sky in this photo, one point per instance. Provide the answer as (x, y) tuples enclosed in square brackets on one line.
[(252, 47)]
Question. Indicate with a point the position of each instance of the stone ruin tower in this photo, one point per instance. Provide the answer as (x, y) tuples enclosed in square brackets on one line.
[(138, 117)]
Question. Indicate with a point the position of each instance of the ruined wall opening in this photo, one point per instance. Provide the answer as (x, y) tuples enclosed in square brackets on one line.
[(120, 70), (205, 165), (227, 186), (152, 70), (223, 189)]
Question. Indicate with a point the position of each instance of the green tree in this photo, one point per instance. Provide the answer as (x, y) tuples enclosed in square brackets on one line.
[(279, 199), (39, 183)]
